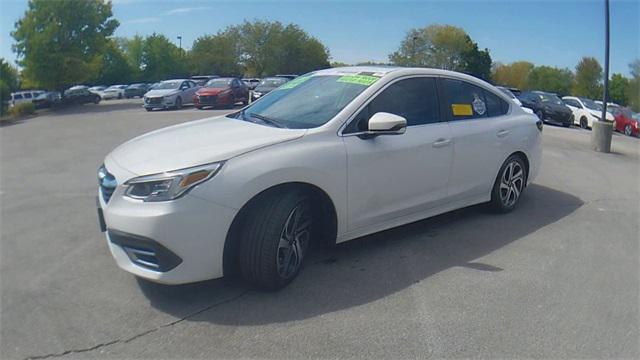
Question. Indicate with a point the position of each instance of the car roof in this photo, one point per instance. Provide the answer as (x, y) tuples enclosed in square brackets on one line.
[(176, 80)]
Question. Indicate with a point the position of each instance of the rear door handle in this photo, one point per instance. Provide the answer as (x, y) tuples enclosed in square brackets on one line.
[(503, 133), (441, 143)]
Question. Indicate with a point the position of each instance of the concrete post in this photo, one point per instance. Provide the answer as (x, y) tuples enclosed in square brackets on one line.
[(601, 136)]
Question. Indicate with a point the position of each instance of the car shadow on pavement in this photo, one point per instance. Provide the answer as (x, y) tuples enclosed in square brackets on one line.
[(370, 268)]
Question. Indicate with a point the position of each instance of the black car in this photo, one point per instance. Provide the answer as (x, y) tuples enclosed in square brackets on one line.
[(266, 85), (548, 107), (134, 90), (80, 95)]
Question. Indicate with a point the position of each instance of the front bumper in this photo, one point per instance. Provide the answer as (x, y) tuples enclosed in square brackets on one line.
[(163, 103), (172, 242)]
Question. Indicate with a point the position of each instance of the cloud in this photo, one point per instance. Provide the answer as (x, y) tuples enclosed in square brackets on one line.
[(185, 10), (142, 20)]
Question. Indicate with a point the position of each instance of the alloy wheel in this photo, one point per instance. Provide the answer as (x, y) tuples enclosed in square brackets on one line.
[(627, 130), (294, 241), (511, 183)]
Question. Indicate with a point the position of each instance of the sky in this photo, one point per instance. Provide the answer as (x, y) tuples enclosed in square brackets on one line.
[(555, 33)]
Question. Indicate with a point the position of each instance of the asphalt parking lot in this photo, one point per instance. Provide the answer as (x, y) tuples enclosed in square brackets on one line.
[(557, 278)]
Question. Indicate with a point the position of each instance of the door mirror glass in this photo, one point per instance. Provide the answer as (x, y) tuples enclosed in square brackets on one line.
[(383, 123)]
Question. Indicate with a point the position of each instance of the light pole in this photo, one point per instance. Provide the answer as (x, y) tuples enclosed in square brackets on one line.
[(413, 56), (180, 42), (603, 129)]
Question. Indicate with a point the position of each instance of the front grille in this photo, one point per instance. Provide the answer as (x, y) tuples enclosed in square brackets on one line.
[(154, 100), (208, 99), (107, 183)]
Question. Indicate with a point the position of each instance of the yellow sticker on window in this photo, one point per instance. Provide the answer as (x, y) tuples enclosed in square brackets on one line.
[(462, 109), (295, 82)]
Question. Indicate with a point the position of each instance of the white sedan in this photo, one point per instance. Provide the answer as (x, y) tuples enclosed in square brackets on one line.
[(327, 157), (113, 92), (585, 111)]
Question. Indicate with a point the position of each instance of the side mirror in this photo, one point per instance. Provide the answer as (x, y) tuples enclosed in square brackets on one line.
[(383, 123)]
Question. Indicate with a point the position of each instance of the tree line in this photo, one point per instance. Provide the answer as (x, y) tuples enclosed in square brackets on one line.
[(67, 42)]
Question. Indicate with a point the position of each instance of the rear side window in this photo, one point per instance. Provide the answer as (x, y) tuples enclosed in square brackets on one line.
[(17, 96), (463, 100), (27, 95), (495, 105)]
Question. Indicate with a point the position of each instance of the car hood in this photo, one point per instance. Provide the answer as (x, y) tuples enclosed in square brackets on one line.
[(598, 114), (210, 91), (196, 143), (161, 92)]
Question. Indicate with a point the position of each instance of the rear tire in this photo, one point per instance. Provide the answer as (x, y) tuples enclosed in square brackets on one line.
[(540, 115), (509, 185), (275, 238), (148, 109)]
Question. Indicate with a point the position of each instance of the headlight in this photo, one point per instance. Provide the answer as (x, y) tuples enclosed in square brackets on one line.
[(170, 185)]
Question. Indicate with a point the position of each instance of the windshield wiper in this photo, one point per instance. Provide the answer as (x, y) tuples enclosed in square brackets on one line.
[(269, 120)]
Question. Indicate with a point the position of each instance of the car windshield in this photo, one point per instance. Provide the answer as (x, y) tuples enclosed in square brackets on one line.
[(591, 105), (306, 102), (551, 98), (271, 83), (218, 83), (165, 85)]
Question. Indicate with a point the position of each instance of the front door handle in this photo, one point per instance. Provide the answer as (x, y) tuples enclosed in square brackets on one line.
[(441, 143), (503, 133)]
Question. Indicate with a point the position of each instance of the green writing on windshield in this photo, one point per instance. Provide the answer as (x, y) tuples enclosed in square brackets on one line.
[(295, 82), (365, 80)]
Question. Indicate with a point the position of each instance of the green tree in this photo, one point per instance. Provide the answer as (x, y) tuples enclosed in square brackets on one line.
[(335, 64), (8, 83), (633, 91), (443, 47), (268, 48), (514, 75), (217, 54), (59, 43), (114, 67), (161, 59), (618, 89), (588, 78), (132, 49), (551, 79)]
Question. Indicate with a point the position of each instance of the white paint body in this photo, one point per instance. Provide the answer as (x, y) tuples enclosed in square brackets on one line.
[(374, 184), (584, 112)]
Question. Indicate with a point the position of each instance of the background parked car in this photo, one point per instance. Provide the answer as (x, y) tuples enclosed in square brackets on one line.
[(134, 90), (547, 106), (251, 82), (222, 92), (114, 92), (170, 94), (266, 85), (47, 99), (288, 76), (626, 121), (513, 98), (202, 79), (80, 94), (98, 89), (24, 96), (585, 111)]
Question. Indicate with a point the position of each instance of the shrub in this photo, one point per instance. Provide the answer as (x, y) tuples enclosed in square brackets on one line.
[(22, 109)]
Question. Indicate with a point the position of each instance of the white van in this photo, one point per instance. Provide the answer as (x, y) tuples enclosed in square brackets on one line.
[(24, 96)]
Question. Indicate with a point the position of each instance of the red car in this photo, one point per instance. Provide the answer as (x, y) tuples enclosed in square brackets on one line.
[(626, 122), (222, 92)]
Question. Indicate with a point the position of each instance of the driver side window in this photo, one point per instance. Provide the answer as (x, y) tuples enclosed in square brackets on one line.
[(414, 99)]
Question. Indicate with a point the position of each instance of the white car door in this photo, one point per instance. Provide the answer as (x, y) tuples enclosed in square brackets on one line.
[(390, 176), (480, 129)]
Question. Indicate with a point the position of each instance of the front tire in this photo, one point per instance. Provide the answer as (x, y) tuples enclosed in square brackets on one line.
[(628, 130), (583, 123), (178, 103), (509, 185), (540, 115), (275, 238)]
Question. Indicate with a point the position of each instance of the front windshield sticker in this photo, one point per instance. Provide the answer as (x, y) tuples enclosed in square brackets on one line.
[(461, 109), (295, 82), (365, 80)]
